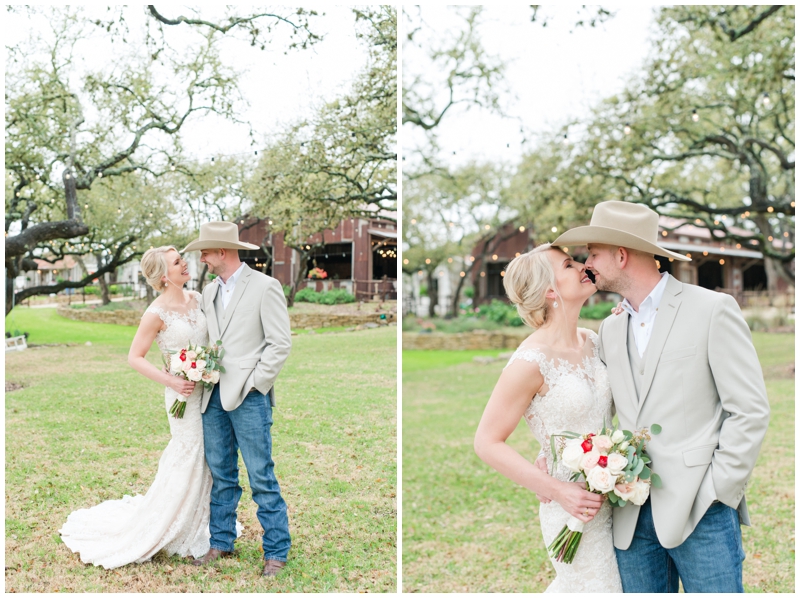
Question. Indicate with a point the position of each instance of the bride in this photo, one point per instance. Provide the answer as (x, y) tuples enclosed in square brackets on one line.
[(174, 513), (556, 381)]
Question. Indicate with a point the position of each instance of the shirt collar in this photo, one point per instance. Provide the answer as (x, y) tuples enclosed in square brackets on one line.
[(232, 278), (654, 298)]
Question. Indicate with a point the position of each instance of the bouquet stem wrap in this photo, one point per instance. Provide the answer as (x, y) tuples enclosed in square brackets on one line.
[(564, 547)]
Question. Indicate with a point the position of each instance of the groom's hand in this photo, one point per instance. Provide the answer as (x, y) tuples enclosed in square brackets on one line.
[(541, 463)]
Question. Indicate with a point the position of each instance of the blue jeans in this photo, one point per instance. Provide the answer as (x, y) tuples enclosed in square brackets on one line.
[(226, 432), (709, 560)]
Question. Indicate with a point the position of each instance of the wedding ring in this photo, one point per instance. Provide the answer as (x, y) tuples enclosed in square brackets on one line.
[(586, 512)]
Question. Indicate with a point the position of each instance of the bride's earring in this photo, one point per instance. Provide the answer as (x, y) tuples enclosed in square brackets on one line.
[(555, 303)]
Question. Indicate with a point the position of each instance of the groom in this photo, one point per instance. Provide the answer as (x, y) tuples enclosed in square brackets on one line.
[(246, 310), (682, 357)]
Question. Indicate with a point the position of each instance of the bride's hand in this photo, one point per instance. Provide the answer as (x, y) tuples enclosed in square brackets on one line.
[(578, 502), (181, 386), (617, 309)]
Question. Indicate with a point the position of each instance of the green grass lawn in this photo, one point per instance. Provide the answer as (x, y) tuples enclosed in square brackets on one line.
[(466, 528), (86, 427)]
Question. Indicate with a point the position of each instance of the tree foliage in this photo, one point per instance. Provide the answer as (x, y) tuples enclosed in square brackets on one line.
[(341, 162), (73, 128), (707, 133)]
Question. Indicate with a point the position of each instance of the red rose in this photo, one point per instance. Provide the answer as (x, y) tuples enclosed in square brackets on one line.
[(590, 435), (586, 445), (194, 365), (602, 461), (183, 356)]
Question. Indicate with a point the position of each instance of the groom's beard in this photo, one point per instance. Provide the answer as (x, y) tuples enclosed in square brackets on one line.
[(608, 285)]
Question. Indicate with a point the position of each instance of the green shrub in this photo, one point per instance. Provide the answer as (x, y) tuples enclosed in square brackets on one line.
[(337, 296), (599, 311), (500, 313), (287, 288), (92, 290), (307, 295), (113, 289), (469, 292), (332, 297)]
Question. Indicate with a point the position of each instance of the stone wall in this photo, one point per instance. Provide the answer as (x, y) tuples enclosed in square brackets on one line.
[(477, 340), (127, 317), (124, 317)]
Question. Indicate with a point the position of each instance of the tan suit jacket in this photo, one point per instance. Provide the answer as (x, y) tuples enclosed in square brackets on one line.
[(255, 334), (703, 384)]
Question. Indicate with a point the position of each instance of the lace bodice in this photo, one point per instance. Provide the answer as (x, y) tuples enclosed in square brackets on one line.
[(578, 399), (181, 329)]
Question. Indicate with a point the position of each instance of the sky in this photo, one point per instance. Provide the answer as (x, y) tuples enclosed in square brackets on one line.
[(552, 74), (279, 88)]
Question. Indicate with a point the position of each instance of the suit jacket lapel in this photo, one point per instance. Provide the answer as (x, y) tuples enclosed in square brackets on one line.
[(241, 284), (619, 338), (667, 310), (211, 313)]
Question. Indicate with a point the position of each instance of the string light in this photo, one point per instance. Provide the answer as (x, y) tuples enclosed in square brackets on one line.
[(627, 128), (100, 174), (564, 139), (722, 262), (487, 227), (770, 209), (663, 233), (462, 274), (517, 254), (494, 257), (554, 229), (428, 261), (413, 221), (766, 98), (449, 260), (695, 116), (786, 234), (705, 253), (522, 229), (483, 274), (405, 261)]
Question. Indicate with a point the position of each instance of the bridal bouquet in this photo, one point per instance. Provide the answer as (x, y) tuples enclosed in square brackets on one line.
[(196, 364), (612, 462)]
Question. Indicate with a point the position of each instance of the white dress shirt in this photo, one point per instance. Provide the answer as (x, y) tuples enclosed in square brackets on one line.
[(225, 291), (644, 319)]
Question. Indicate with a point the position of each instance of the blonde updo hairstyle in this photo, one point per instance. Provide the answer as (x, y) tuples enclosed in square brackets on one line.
[(154, 265), (527, 279)]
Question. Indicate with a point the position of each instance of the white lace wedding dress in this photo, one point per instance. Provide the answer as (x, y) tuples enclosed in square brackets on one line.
[(578, 399), (173, 515)]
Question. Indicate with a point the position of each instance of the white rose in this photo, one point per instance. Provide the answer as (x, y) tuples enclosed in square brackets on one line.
[(600, 479), (641, 490), (589, 460), (616, 463), (175, 364), (191, 355), (572, 454), (602, 443), (207, 377), (617, 437), (215, 376), (624, 491), (200, 364), (194, 375), (623, 446), (187, 365)]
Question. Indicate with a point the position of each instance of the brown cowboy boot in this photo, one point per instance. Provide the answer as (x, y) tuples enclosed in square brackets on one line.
[(272, 567), (211, 556)]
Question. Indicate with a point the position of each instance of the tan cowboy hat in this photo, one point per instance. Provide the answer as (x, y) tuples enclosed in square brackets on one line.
[(622, 224), (218, 235)]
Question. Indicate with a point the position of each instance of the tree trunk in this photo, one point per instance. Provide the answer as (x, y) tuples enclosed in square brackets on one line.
[(433, 294), (301, 274), (202, 282), (457, 294), (101, 280)]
